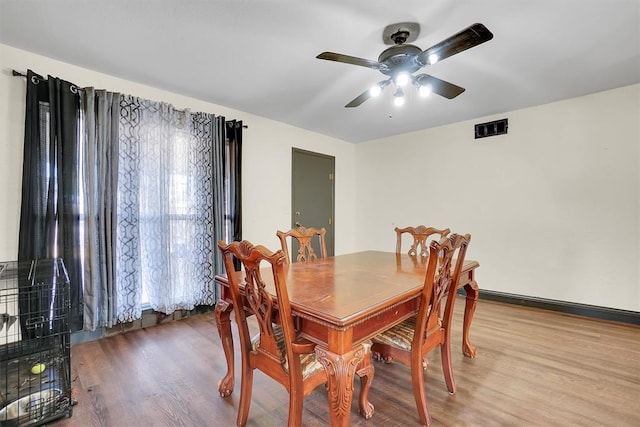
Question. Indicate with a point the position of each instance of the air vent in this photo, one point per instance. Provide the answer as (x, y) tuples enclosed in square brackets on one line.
[(497, 127)]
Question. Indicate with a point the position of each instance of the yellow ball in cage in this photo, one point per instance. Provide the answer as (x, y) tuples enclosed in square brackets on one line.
[(38, 368)]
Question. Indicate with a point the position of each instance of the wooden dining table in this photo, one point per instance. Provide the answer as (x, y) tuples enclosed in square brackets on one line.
[(341, 302)]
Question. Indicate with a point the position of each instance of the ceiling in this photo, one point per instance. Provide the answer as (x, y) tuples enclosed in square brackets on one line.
[(259, 56)]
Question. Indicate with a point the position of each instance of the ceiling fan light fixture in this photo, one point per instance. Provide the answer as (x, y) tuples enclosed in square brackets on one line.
[(402, 78), (375, 90), (424, 90), (433, 58), (398, 98)]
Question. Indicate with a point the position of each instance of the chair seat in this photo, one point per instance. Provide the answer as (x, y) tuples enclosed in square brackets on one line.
[(308, 361), (400, 336)]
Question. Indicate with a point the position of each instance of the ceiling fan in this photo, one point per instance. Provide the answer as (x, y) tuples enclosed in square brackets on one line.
[(401, 60)]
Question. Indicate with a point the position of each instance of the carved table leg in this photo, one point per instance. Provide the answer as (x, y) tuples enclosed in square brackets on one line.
[(365, 372), (223, 313), (471, 290), (340, 371)]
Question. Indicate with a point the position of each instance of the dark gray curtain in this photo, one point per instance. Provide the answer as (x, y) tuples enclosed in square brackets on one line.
[(218, 162), (49, 217), (234, 140), (101, 112)]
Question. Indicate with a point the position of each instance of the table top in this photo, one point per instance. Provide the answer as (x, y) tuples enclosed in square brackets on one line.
[(345, 289)]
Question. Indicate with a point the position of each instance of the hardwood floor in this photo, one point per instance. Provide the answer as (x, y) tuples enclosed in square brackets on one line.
[(533, 367)]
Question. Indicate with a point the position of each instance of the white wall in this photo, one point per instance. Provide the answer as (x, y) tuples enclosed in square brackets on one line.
[(552, 207), (266, 151)]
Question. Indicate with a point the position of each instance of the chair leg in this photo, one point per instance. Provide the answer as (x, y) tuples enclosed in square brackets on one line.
[(365, 372), (417, 379), (295, 409), (223, 321), (447, 367), (246, 386)]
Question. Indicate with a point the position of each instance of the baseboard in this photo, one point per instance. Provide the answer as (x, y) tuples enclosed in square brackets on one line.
[(604, 313), (149, 318)]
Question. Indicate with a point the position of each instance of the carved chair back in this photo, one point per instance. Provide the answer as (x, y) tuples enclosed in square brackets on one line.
[(305, 237), (445, 262), (421, 236)]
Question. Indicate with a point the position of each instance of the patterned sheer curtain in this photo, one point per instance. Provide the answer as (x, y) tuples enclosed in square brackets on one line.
[(165, 246)]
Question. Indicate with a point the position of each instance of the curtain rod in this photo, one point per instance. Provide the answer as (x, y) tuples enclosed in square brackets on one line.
[(244, 126), (19, 74), (36, 80)]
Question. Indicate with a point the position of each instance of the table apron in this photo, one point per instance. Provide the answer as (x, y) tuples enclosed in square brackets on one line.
[(339, 338)]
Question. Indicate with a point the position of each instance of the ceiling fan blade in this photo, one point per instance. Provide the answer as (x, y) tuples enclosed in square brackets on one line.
[(441, 87), (359, 99), (469, 37), (367, 94), (338, 57)]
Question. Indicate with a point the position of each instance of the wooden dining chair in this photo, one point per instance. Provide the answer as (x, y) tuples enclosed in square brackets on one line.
[(421, 235), (410, 341), (276, 349), (305, 238)]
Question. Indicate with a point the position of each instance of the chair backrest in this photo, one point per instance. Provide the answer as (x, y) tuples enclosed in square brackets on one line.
[(256, 300), (304, 236), (446, 258), (422, 236)]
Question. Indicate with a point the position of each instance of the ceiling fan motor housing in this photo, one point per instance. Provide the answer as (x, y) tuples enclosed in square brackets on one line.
[(399, 58)]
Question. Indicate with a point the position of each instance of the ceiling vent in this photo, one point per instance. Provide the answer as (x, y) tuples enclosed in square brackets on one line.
[(497, 127)]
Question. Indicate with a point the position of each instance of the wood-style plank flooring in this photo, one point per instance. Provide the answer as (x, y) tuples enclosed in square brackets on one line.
[(533, 368)]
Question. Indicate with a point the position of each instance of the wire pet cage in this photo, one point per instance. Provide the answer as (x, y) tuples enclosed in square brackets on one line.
[(35, 368)]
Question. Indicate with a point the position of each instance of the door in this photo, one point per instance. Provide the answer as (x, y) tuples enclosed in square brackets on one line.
[(312, 189)]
